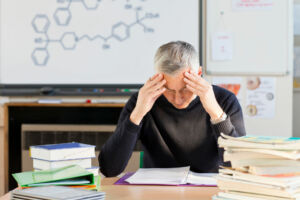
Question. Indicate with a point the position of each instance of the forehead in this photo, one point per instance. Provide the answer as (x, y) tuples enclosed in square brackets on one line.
[(175, 82)]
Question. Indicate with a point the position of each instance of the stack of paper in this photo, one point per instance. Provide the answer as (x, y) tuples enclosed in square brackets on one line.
[(261, 168), (64, 154), (171, 176), (56, 193)]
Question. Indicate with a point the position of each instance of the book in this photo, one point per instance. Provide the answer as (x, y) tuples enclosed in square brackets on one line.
[(259, 143), (292, 154), (56, 193), (233, 195), (45, 164), (274, 170), (228, 184), (63, 151), (70, 173), (170, 176)]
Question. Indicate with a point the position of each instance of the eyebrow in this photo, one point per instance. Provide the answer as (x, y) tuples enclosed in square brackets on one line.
[(175, 90)]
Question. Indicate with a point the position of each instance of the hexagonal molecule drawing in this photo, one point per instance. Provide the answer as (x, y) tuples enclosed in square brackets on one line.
[(68, 40), (62, 16), (91, 4), (40, 23), (120, 31), (40, 56)]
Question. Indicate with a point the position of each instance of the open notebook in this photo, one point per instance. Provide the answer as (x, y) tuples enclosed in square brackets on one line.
[(168, 176)]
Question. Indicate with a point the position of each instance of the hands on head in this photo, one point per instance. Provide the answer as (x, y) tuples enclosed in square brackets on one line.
[(202, 88), (148, 94), (154, 88)]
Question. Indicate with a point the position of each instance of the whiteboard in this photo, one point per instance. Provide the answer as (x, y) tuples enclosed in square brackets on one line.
[(89, 41), (261, 36)]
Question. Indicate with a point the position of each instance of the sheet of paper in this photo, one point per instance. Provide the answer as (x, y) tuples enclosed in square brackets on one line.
[(232, 84), (260, 102), (222, 46), (296, 19), (202, 178), (247, 5), (162, 176)]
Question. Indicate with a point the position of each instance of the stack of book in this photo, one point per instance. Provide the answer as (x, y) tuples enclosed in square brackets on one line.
[(261, 168), (60, 155)]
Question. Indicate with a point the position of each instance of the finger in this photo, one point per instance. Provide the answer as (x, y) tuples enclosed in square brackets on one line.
[(191, 83), (153, 77), (158, 85), (155, 80), (158, 93), (192, 76), (190, 88)]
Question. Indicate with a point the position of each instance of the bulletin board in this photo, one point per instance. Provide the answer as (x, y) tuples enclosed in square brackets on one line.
[(261, 34)]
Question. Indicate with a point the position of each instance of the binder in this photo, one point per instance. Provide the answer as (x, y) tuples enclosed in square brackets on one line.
[(69, 175)]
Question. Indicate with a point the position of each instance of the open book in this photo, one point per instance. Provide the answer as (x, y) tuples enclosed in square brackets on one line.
[(169, 176)]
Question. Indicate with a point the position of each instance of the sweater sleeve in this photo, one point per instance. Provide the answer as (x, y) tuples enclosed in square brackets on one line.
[(117, 150), (234, 124)]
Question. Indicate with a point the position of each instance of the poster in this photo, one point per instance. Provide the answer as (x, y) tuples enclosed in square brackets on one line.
[(260, 102), (222, 45), (232, 84), (248, 5)]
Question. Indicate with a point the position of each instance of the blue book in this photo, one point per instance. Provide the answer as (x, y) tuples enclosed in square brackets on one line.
[(63, 151)]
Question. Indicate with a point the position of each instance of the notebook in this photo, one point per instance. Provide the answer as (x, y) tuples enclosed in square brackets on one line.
[(70, 175), (168, 176)]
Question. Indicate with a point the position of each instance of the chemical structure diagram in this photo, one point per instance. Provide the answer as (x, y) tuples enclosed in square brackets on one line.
[(62, 16)]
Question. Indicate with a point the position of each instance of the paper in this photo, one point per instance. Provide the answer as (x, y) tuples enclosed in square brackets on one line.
[(261, 96), (233, 84), (202, 178), (246, 5), (296, 19), (171, 176), (222, 46), (297, 62), (164, 176)]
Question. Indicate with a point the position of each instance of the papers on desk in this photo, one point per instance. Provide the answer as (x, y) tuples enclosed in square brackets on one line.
[(56, 193), (171, 176)]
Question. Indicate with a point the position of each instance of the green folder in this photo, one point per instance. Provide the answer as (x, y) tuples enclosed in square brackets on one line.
[(70, 175)]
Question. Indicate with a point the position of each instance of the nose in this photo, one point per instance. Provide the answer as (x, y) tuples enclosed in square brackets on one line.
[(178, 98)]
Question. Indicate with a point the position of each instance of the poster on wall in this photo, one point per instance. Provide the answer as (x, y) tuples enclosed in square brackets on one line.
[(233, 84), (260, 97), (248, 5), (222, 46)]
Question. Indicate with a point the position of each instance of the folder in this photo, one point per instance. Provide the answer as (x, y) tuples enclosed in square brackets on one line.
[(69, 175)]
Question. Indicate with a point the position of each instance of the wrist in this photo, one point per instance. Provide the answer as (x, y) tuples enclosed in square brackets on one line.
[(222, 118), (136, 117)]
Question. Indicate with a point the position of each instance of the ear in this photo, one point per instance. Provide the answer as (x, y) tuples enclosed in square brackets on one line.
[(200, 71)]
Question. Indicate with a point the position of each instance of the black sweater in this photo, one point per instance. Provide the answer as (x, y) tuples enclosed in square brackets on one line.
[(173, 137)]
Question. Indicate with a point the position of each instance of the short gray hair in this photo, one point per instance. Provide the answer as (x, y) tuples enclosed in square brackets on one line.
[(173, 56)]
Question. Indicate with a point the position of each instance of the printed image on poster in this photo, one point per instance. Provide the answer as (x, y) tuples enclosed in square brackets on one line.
[(260, 102), (233, 84)]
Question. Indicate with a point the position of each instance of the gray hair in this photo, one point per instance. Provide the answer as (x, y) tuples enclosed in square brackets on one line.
[(174, 56)]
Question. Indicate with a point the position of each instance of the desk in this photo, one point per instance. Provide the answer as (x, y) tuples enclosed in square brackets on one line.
[(126, 192)]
